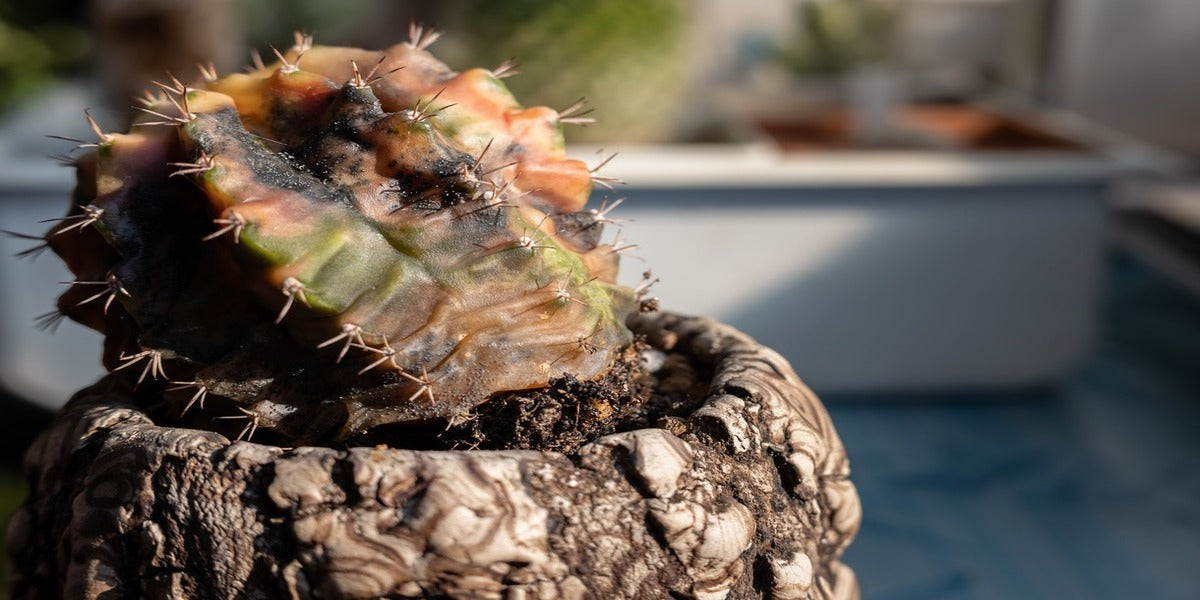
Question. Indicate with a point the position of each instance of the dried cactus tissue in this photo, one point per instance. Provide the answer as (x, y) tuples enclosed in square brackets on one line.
[(364, 226)]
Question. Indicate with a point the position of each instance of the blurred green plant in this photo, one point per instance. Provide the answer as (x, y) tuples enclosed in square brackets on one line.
[(837, 36), (34, 51), (628, 57), (332, 22)]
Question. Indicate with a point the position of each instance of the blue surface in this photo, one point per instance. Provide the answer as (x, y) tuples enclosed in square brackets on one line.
[(1087, 490)]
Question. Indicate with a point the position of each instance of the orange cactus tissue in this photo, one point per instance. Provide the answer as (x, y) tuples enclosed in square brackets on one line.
[(386, 232)]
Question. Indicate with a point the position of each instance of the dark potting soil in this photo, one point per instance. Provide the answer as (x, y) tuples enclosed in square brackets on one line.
[(649, 385), (645, 388)]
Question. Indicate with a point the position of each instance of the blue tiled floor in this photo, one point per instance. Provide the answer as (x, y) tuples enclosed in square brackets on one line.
[(1087, 490)]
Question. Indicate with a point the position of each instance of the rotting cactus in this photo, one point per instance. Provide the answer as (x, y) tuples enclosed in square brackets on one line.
[(342, 239)]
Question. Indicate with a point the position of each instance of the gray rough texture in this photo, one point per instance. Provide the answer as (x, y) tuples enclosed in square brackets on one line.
[(751, 500)]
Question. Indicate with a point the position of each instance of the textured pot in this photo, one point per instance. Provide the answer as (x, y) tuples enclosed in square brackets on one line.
[(749, 498)]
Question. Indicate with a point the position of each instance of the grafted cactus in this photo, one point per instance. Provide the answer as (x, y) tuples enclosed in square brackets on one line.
[(342, 239)]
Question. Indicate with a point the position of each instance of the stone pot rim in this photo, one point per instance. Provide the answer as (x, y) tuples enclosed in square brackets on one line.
[(758, 413)]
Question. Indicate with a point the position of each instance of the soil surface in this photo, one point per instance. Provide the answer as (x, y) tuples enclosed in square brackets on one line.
[(570, 412), (944, 126), (649, 385)]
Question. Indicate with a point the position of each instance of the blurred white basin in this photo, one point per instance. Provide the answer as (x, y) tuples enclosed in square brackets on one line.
[(878, 271)]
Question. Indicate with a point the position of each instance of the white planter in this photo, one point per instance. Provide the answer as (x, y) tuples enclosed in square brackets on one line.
[(879, 270)]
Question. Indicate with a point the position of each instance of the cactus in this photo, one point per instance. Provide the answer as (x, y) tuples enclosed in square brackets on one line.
[(342, 239)]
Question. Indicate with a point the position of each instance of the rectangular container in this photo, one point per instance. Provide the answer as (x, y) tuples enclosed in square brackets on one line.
[(878, 270)]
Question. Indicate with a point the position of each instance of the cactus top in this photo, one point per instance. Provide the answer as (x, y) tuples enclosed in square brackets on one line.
[(342, 239)]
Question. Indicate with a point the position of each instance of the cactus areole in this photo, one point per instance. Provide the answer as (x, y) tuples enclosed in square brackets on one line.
[(342, 239)]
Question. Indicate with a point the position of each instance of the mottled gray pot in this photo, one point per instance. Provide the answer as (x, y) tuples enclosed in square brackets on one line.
[(751, 500)]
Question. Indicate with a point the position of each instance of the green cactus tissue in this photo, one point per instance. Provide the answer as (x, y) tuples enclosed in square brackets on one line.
[(342, 239)]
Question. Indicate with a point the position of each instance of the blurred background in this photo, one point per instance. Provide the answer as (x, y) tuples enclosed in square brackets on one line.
[(973, 226)]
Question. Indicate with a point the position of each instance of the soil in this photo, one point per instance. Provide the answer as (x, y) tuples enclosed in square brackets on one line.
[(952, 126), (649, 386), (570, 412)]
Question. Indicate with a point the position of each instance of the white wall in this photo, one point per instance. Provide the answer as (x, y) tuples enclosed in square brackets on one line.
[(1133, 65)]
